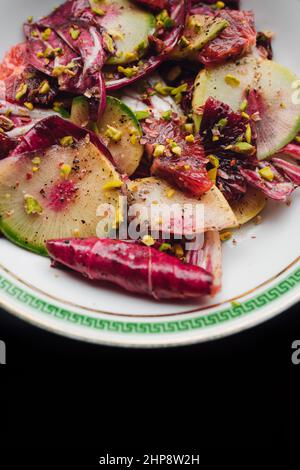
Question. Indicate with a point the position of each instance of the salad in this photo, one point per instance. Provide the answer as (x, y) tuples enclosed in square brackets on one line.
[(136, 135)]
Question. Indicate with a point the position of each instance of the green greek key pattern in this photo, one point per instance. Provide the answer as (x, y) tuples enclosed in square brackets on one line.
[(155, 328)]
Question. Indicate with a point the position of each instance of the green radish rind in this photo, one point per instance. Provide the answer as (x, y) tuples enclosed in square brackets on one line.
[(126, 155), (134, 23), (80, 111), (281, 120), (30, 231)]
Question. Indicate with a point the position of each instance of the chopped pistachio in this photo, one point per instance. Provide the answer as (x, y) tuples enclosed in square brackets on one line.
[(177, 150), (222, 123), (98, 11), (245, 115), (219, 5), (35, 169), (131, 56), (214, 160), (184, 42), (180, 89), (148, 240), (36, 160), (225, 236), (66, 141), (189, 128), (244, 105), (266, 173), (30, 19), (170, 193), (178, 250), (163, 20), (67, 69), (65, 170), (46, 34), (242, 147), (215, 138), (44, 87), (190, 138), (165, 247), (114, 184), (74, 33), (231, 80), (6, 124), (109, 43), (21, 91), (297, 139), (32, 206), (28, 105), (35, 33), (167, 115), (134, 139), (248, 134), (140, 115), (128, 71), (113, 133), (162, 89), (159, 150), (235, 304)]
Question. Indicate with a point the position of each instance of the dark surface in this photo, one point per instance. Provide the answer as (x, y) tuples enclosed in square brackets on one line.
[(238, 392)]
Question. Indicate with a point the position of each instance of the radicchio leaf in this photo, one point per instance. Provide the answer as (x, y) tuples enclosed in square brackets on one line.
[(49, 131), (209, 257), (280, 189), (6, 145), (132, 266)]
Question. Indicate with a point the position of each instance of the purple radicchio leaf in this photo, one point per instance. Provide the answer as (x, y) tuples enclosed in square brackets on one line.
[(49, 131)]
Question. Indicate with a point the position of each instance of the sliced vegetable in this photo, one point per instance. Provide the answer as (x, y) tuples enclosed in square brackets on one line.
[(275, 114), (134, 267), (279, 112), (129, 26), (178, 13), (249, 207), (55, 193), (149, 192), (212, 83), (117, 120)]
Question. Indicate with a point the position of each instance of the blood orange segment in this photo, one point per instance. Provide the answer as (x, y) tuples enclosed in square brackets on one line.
[(236, 40)]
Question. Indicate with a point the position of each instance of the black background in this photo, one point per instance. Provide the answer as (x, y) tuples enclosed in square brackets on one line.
[(240, 392)]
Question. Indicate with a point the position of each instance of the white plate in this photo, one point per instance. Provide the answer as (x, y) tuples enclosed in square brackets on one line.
[(262, 270)]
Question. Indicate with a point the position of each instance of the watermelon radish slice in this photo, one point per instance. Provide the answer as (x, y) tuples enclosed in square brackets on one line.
[(130, 26), (55, 193), (126, 151), (272, 96)]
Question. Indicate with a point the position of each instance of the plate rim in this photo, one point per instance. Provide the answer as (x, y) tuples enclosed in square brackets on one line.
[(272, 300)]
